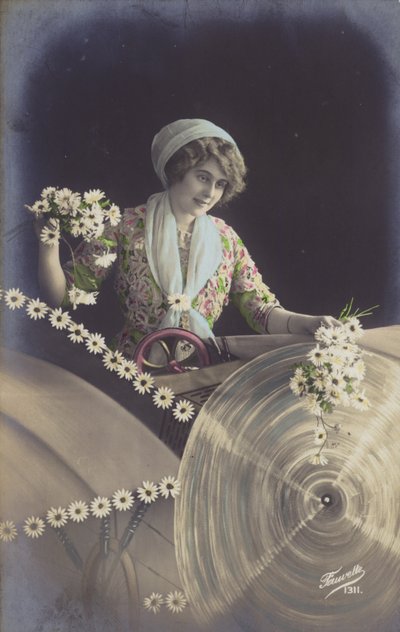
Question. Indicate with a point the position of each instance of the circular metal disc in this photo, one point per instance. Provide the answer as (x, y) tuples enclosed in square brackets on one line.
[(270, 541)]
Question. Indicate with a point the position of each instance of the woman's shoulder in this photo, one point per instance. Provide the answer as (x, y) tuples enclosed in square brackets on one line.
[(224, 228)]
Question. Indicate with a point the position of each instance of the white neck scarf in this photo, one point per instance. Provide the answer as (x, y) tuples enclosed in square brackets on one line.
[(163, 256)]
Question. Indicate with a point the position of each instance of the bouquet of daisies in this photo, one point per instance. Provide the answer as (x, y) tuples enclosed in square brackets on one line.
[(84, 216), (333, 374), (80, 216)]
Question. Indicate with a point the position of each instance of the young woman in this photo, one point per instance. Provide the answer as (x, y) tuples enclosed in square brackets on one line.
[(178, 266)]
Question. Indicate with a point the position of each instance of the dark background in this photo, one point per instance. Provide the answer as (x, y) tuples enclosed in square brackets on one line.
[(307, 93)]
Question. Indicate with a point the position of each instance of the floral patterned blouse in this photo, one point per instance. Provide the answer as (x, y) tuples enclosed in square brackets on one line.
[(143, 302)]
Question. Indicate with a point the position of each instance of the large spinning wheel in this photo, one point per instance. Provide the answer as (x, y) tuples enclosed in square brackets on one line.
[(265, 540)]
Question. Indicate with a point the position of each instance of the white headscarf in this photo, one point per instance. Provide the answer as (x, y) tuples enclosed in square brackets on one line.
[(177, 134), (161, 230)]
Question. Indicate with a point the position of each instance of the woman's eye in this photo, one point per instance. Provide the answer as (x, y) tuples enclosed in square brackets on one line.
[(222, 184), (202, 178)]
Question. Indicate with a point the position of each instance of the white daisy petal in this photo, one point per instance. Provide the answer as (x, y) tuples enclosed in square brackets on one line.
[(175, 601), (14, 298), (153, 602), (36, 309), (113, 214), (126, 369), (57, 517), (179, 302), (8, 531), (148, 493), (59, 319), (105, 260), (34, 527), (318, 459), (183, 410), (78, 511), (122, 500), (100, 507), (169, 486), (143, 383), (92, 196), (163, 397), (78, 333), (95, 343), (111, 360)]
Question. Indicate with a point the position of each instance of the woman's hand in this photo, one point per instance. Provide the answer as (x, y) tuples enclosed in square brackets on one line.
[(307, 324), (282, 321)]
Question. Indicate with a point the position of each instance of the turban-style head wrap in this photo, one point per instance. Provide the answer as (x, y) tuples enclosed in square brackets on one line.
[(177, 134)]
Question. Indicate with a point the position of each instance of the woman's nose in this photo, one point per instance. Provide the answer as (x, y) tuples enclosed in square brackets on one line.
[(209, 189)]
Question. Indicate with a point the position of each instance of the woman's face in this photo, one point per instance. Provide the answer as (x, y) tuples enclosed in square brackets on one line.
[(196, 194)]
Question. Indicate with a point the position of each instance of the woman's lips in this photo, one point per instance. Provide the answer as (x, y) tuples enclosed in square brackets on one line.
[(201, 203)]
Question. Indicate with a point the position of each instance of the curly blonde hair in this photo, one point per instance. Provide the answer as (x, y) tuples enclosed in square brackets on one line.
[(197, 152)]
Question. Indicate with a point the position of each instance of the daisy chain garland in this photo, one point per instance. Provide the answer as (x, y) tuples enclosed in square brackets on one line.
[(143, 383)]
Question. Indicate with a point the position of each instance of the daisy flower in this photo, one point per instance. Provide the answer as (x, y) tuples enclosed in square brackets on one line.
[(105, 260), (48, 192), (34, 527), (92, 214), (169, 486), (336, 357), (100, 507), (163, 397), (183, 410), (65, 200), (334, 395), (8, 532), (78, 511), (298, 384), (330, 335), (336, 380), (92, 196), (179, 302), (57, 517), (112, 359), (39, 207), (318, 459), (148, 493), (95, 343), (312, 403), (143, 383), (317, 356), (127, 369), (14, 298), (175, 601), (77, 227), (320, 381), (357, 370), (36, 309), (59, 319), (122, 500), (320, 436), (154, 602), (353, 328), (80, 297), (113, 215), (359, 400), (50, 235), (78, 332)]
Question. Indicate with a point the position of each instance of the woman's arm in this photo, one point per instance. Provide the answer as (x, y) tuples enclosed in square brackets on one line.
[(259, 305), (281, 321), (51, 276)]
